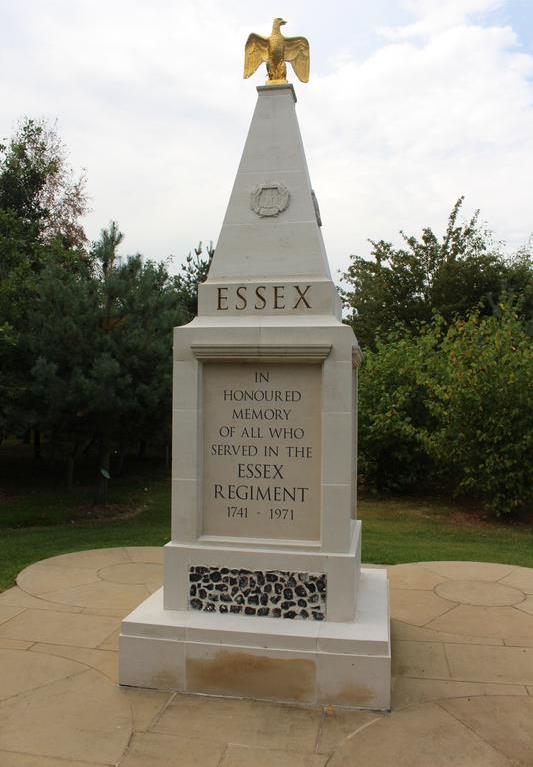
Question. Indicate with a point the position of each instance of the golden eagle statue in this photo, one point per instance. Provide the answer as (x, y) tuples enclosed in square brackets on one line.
[(275, 51)]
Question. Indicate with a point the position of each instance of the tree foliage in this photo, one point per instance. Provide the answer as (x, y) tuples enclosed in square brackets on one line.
[(191, 274), (452, 408), (451, 276), (85, 337), (38, 185)]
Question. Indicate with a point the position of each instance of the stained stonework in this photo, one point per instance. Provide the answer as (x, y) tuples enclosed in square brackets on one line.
[(270, 593)]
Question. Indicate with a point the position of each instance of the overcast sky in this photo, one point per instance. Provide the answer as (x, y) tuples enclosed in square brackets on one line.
[(410, 104)]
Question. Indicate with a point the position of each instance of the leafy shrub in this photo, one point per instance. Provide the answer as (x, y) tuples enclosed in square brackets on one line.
[(452, 407)]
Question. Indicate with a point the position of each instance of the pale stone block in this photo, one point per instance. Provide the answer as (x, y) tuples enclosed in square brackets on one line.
[(158, 664), (150, 619), (293, 249), (368, 633), (185, 444), (185, 385), (185, 509), (354, 681), (337, 387), (176, 591), (264, 633), (300, 206), (336, 517), (251, 673), (337, 455), (304, 299)]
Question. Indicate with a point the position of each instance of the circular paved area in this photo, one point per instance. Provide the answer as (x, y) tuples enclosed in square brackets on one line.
[(462, 678)]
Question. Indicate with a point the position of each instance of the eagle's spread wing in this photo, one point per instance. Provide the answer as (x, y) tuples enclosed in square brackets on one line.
[(297, 52), (255, 52)]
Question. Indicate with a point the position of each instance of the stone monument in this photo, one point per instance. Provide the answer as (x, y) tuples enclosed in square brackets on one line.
[(264, 595)]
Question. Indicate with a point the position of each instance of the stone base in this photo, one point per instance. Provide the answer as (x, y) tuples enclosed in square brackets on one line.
[(299, 661)]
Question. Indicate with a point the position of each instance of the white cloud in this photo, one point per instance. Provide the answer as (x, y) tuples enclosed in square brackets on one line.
[(423, 123), (436, 15), (150, 100)]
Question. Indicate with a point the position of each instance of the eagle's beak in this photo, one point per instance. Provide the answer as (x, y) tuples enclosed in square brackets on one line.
[(282, 22)]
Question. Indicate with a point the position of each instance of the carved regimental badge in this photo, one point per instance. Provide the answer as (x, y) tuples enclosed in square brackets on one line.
[(269, 199)]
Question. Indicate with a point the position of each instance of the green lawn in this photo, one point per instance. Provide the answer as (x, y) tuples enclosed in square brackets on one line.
[(39, 519)]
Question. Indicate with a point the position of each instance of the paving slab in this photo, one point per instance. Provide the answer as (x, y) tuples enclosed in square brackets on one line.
[(401, 630), (79, 717), (416, 606), (14, 644), (462, 657), (43, 579), (479, 593), (419, 736), (151, 750), (339, 724), (133, 572), (407, 691), (16, 596), (102, 594), (511, 665), (145, 554), (506, 723), (520, 578), (59, 628), (419, 659), (8, 611), (12, 759), (146, 705), (413, 577), (467, 571), (526, 605), (246, 722), (94, 559), (22, 671), (100, 660), (245, 756), (497, 622)]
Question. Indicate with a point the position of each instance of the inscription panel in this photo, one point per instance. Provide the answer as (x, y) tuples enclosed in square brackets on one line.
[(262, 457)]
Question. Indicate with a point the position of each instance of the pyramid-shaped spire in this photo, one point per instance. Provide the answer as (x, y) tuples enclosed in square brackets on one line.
[(271, 229)]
